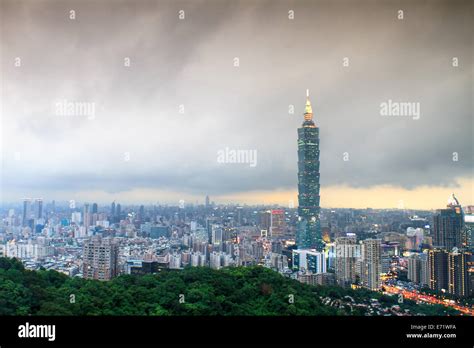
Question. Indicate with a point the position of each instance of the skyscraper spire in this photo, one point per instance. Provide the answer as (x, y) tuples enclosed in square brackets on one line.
[(308, 113), (308, 109)]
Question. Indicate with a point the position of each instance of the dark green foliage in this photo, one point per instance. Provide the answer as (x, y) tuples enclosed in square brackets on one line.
[(230, 291)]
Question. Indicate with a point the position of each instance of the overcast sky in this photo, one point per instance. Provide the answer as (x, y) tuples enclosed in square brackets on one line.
[(138, 147)]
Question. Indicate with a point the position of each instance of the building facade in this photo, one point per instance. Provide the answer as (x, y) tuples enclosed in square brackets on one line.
[(346, 252), (371, 263), (447, 226), (418, 268), (100, 259), (309, 227), (311, 261)]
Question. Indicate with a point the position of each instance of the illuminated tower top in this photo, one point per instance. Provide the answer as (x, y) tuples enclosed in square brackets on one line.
[(308, 113)]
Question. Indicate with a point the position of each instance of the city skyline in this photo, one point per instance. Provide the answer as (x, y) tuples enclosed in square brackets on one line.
[(300, 164), (156, 125)]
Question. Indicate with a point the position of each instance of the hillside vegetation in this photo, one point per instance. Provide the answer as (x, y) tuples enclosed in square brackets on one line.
[(192, 291)]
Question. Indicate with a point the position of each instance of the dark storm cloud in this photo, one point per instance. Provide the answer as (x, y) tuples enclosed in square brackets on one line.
[(190, 62)]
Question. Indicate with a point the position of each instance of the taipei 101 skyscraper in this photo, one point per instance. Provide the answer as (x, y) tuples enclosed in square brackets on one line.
[(308, 234)]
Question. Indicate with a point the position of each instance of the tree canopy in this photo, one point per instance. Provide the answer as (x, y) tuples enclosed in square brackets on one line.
[(192, 291)]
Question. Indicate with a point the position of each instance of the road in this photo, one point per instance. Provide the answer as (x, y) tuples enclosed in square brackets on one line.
[(416, 296)]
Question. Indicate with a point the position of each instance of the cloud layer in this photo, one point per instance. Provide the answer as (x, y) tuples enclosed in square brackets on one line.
[(138, 139)]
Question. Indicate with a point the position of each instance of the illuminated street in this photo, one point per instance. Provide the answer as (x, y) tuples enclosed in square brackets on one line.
[(416, 296)]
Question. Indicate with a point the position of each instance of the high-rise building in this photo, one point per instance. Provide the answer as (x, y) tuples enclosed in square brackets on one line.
[(257, 250), (86, 217), (216, 234), (239, 216), (100, 259), (76, 217), (26, 211), (438, 268), (449, 272), (346, 252), (112, 212), (215, 260), (447, 226), (418, 268), (309, 229), (38, 208), (371, 263), (278, 223), (458, 276), (209, 222), (118, 211), (265, 220), (311, 261), (386, 260), (95, 208), (208, 203), (467, 234)]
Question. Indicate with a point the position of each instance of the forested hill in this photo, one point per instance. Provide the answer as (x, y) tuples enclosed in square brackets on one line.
[(192, 291)]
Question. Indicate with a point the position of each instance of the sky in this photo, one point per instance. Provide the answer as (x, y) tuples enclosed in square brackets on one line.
[(170, 84)]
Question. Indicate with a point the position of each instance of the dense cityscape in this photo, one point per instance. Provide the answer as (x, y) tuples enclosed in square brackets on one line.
[(425, 256)]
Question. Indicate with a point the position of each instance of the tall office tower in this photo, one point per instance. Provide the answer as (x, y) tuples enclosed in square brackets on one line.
[(86, 217), (239, 216), (278, 223), (414, 268), (118, 212), (38, 208), (447, 226), (386, 262), (418, 268), (265, 220), (346, 252), (308, 235), (209, 222), (425, 270), (112, 212), (95, 208), (371, 263), (458, 276), (26, 211), (467, 234), (449, 272), (438, 268), (100, 258), (142, 212), (208, 203), (217, 233)]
